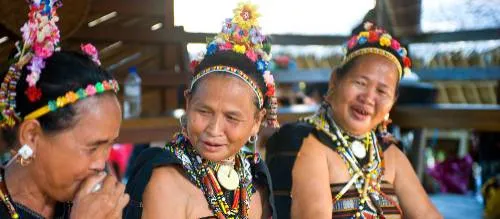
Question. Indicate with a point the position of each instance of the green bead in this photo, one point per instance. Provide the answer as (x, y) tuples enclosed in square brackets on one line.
[(99, 87)]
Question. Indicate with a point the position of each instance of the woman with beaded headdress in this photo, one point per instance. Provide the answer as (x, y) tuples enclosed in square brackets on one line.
[(348, 165), (205, 172), (60, 115)]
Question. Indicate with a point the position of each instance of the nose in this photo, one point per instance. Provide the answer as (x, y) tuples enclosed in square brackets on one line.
[(215, 126), (98, 164), (368, 97)]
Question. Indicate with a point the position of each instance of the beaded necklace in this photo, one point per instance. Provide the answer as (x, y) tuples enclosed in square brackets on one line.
[(202, 173), (366, 177), (4, 195)]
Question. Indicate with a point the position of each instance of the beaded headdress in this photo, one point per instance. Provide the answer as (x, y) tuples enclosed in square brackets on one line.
[(41, 37), (241, 34), (375, 40)]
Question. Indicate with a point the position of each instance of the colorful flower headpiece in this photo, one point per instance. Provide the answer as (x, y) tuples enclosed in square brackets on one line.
[(241, 34), (40, 40), (375, 40), (73, 96)]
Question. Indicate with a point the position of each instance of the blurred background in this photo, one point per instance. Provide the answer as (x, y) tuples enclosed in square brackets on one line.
[(447, 116)]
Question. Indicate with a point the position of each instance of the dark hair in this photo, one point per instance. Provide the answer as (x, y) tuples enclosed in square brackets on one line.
[(236, 60), (64, 71)]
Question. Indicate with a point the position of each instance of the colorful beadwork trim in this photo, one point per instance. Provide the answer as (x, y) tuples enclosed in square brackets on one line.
[(377, 51), (73, 96), (233, 71)]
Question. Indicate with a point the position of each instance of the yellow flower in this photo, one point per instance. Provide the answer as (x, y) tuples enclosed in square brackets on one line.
[(245, 15), (239, 49), (363, 34), (385, 41), (387, 35)]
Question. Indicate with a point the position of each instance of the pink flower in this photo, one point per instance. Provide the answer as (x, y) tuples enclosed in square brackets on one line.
[(43, 51), (90, 90), (90, 50), (395, 44), (268, 78), (352, 42), (252, 55), (226, 46), (32, 78)]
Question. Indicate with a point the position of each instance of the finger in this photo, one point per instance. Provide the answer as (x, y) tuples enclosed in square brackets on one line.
[(119, 192), (88, 184), (109, 184), (122, 202)]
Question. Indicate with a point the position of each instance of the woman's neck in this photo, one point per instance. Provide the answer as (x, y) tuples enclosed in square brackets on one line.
[(339, 125), (24, 190)]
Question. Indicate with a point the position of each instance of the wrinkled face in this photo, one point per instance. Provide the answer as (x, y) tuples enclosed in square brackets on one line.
[(64, 159), (365, 94), (221, 116)]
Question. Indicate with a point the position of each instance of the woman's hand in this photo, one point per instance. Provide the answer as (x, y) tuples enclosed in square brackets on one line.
[(107, 202)]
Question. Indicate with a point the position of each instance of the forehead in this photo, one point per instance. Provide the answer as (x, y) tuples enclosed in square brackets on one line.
[(224, 89), (375, 67), (98, 116)]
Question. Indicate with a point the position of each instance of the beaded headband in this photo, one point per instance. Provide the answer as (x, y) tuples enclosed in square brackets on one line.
[(40, 40), (241, 34), (72, 96), (375, 40), (233, 71)]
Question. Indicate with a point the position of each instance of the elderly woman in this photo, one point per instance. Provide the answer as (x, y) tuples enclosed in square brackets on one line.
[(204, 172), (344, 167), (60, 115)]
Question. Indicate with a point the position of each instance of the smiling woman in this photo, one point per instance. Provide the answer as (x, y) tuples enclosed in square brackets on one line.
[(205, 172), (348, 166)]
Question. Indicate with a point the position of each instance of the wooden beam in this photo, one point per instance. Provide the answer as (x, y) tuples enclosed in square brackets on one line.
[(160, 78), (446, 116), (177, 35), (467, 35), (149, 8)]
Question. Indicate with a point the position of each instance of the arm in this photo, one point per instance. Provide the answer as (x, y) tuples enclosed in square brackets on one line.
[(163, 197), (259, 205), (311, 195), (412, 197)]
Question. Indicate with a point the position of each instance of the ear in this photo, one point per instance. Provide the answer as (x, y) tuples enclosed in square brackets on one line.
[(30, 132), (331, 83), (259, 117)]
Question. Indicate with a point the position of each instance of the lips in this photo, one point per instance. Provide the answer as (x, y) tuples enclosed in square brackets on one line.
[(360, 113), (212, 146)]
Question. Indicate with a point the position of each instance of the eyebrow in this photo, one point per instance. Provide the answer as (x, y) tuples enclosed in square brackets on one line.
[(103, 141)]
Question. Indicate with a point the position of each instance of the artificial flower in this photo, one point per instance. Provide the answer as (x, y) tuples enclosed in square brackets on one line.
[(228, 26), (33, 93), (99, 87), (268, 78), (261, 65), (52, 105), (373, 37), (251, 55), (385, 41), (352, 42), (226, 46), (270, 90), (365, 34), (32, 78), (245, 15), (406, 62), (193, 64), (211, 48), (71, 97), (90, 90), (61, 101), (395, 44), (362, 40), (239, 48), (402, 52)]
